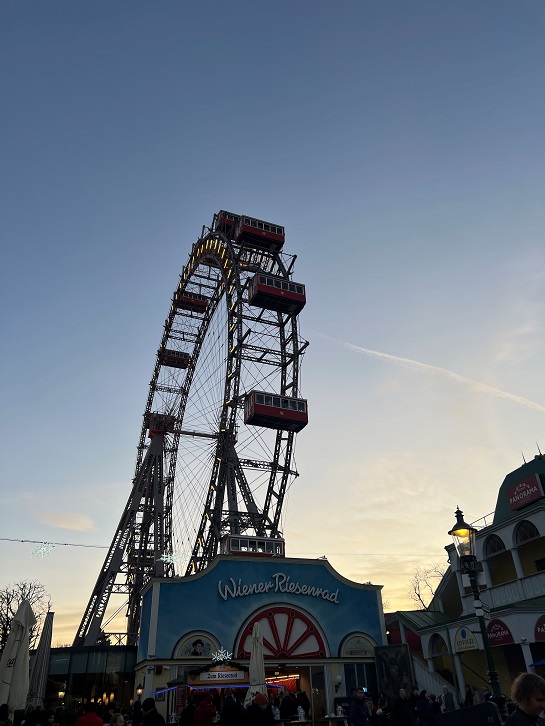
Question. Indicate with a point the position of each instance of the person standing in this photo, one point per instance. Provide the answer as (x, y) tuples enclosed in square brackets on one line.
[(232, 711), (425, 711), (302, 700), (413, 700), (447, 700), (259, 712), (4, 715), (528, 692), (90, 717), (401, 710), (152, 717), (383, 708), (435, 706), (205, 713), (288, 708), (359, 713)]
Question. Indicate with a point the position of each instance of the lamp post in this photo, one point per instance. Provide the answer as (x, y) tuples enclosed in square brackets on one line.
[(139, 690), (463, 535)]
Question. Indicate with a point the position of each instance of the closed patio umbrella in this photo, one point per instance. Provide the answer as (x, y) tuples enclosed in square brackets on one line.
[(257, 667), (38, 677), (14, 666)]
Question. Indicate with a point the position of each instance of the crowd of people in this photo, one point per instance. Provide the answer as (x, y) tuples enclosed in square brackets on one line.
[(201, 710), (419, 708), (90, 714)]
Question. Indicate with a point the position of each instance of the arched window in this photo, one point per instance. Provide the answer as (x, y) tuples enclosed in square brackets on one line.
[(525, 531), (493, 545), (437, 646)]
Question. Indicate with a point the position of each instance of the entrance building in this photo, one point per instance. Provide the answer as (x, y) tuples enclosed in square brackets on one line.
[(319, 630), (445, 638)]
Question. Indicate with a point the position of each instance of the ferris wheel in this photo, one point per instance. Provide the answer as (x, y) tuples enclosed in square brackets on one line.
[(216, 450)]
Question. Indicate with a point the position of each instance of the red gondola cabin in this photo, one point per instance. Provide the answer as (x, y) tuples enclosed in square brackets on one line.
[(159, 423), (174, 358), (276, 293), (185, 300), (275, 412), (257, 233), (225, 222)]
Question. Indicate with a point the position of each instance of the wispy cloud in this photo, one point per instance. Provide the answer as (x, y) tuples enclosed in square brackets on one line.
[(66, 520), (444, 373)]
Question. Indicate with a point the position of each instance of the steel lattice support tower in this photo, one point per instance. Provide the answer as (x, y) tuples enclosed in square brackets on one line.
[(137, 548)]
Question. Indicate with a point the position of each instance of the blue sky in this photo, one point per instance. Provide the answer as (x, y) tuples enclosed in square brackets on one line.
[(400, 143)]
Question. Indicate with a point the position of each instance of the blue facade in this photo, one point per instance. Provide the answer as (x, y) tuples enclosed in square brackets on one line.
[(222, 599)]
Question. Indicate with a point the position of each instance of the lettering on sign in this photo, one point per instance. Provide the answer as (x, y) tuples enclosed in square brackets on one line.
[(222, 676), (524, 492), (280, 582), (465, 640), (499, 633)]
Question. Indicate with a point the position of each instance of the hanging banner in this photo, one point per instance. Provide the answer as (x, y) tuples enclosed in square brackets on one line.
[(465, 640), (540, 629), (499, 633), (181, 699)]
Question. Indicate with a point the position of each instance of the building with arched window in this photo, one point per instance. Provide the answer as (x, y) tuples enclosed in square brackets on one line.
[(445, 639), (320, 630)]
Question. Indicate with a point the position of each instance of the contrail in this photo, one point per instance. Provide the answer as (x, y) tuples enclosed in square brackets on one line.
[(437, 371)]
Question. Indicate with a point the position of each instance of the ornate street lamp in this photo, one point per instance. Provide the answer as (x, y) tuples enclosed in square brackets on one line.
[(463, 535), (139, 690), (62, 691)]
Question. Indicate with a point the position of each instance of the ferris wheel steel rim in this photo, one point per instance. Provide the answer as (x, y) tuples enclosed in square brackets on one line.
[(215, 261)]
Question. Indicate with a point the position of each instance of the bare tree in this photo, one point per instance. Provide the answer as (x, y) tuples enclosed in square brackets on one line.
[(424, 583), (11, 597)]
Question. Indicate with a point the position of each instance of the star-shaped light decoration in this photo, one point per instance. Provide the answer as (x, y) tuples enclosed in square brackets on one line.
[(43, 549), (221, 655), (170, 559)]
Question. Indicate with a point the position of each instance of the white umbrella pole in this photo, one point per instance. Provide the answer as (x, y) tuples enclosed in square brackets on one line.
[(38, 677), (257, 667)]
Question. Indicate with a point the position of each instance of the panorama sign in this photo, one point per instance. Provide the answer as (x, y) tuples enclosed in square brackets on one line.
[(499, 633), (524, 492)]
